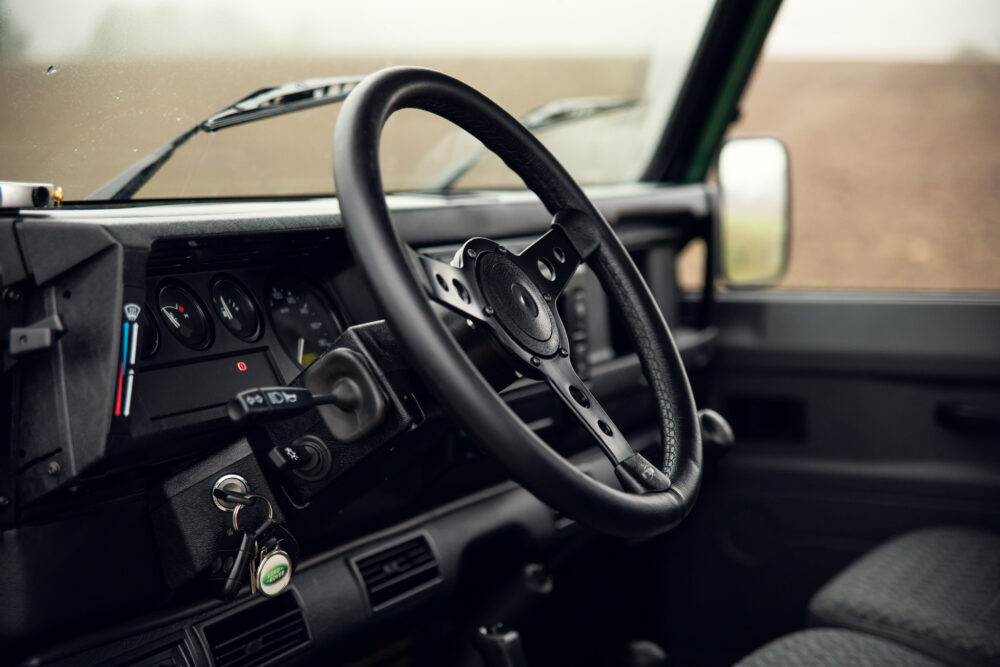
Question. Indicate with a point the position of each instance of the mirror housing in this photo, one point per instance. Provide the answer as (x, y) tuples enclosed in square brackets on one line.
[(754, 211)]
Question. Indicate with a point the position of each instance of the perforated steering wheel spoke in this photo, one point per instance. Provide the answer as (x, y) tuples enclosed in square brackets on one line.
[(551, 261), (564, 381), (452, 285)]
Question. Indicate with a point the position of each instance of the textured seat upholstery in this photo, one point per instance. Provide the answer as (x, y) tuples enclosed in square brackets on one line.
[(935, 590), (828, 647)]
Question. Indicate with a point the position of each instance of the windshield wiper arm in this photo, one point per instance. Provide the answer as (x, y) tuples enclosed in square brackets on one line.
[(264, 103), (558, 112), (574, 108)]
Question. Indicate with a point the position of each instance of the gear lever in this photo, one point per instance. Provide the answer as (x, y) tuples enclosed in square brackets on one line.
[(500, 647)]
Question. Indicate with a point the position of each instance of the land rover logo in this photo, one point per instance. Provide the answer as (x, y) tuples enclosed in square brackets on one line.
[(274, 574)]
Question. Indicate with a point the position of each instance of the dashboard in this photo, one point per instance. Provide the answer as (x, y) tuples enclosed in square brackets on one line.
[(157, 316)]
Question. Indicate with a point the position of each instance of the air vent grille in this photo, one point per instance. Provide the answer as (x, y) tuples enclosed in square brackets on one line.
[(229, 252), (175, 654), (259, 635), (396, 572)]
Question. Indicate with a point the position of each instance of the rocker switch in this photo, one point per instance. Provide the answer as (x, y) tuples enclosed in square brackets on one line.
[(292, 457)]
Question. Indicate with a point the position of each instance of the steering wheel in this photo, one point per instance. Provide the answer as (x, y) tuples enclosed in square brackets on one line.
[(513, 296)]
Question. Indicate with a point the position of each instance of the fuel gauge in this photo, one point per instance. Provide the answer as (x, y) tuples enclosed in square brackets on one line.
[(236, 309)]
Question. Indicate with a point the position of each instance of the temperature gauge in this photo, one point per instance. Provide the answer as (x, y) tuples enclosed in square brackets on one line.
[(183, 316), (301, 320), (236, 309)]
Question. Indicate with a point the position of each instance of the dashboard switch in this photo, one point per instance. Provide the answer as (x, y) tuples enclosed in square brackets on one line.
[(292, 457), (289, 399), (307, 458), (246, 405)]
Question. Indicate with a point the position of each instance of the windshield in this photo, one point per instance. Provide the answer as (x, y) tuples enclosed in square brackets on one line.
[(91, 88)]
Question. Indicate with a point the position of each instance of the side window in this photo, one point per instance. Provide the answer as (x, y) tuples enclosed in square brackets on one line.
[(889, 113)]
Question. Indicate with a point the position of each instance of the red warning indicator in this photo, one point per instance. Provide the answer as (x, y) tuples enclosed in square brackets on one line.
[(241, 365)]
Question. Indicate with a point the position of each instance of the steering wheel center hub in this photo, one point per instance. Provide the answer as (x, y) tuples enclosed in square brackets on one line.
[(518, 304), (524, 300)]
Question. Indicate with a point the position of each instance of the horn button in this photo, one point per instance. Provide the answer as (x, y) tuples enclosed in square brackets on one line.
[(518, 305)]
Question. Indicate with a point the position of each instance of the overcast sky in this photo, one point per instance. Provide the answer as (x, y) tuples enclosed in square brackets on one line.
[(885, 29), (55, 30)]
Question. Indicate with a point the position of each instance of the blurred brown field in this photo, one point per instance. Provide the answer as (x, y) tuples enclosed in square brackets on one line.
[(895, 171), (895, 166), (125, 110)]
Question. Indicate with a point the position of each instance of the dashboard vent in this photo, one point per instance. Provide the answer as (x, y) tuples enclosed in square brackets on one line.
[(398, 571), (177, 653), (229, 252), (260, 635)]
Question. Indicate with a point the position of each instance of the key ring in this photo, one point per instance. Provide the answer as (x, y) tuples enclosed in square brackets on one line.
[(236, 510)]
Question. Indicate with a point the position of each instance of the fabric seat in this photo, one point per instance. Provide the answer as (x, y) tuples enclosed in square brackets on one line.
[(829, 647), (935, 590)]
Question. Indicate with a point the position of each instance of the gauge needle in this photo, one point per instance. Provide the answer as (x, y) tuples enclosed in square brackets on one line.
[(300, 348), (173, 318), (225, 309)]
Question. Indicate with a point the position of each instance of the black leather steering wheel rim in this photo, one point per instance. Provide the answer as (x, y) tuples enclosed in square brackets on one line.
[(657, 499)]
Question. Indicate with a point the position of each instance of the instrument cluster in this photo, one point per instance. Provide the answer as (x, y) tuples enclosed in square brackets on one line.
[(297, 312)]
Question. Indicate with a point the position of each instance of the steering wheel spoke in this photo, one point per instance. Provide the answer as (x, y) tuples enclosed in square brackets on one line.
[(551, 260), (633, 470), (452, 286)]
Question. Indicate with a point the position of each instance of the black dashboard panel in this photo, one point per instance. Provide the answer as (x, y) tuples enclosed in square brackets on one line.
[(208, 384), (88, 265)]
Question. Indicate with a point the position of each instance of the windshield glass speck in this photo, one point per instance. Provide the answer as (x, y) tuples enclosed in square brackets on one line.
[(91, 87)]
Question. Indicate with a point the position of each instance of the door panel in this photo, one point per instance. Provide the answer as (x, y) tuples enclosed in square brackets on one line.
[(857, 417)]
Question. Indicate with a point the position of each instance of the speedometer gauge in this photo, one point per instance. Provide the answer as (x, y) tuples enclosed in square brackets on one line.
[(301, 320)]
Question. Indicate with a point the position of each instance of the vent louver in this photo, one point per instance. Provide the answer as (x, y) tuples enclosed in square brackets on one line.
[(174, 654), (398, 571), (257, 636), (230, 252)]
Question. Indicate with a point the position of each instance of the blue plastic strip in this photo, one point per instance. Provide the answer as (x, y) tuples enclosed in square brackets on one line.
[(125, 328)]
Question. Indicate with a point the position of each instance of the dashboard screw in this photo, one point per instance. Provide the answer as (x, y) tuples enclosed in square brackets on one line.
[(563, 352), (4, 501), (536, 361), (547, 297), (53, 468), (471, 252), (11, 295), (488, 311), (501, 250)]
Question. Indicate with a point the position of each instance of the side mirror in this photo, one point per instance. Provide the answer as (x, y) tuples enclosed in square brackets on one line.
[(755, 216)]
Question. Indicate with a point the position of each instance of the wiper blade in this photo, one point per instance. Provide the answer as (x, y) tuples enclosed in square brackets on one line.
[(278, 100), (264, 103), (574, 108), (554, 113)]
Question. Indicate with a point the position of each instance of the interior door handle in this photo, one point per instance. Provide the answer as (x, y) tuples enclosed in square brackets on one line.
[(967, 418)]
